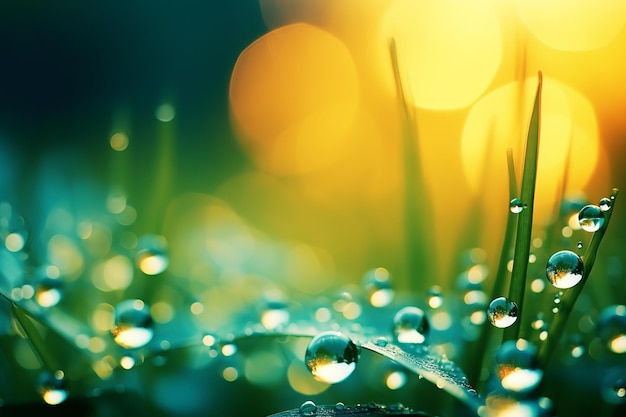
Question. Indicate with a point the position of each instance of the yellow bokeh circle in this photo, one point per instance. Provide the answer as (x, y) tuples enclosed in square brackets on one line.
[(293, 98), (448, 50), (573, 25)]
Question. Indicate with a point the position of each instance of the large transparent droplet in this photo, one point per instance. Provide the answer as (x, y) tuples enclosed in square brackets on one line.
[(501, 312), (151, 256), (377, 285), (410, 325), (611, 327), (516, 366), (52, 387), (133, 324), (331, 357), (590, 218), (564, 269), (516, 206), (307, 409)]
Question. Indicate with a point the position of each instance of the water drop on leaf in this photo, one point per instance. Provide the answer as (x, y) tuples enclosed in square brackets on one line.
[(605, 204), (590, 218), (331, 357), (516, 366), (501, 312), (52, 387), (133, 324), (564, 269), (151, 257), (377, 284), (410, 325), (308, 409), (516, 206)]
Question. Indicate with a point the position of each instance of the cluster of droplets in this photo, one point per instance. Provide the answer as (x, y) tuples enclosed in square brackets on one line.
[(309, 409)]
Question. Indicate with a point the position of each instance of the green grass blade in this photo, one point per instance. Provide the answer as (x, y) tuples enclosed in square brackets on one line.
[(34, 338), (420, 256), (557, 327), (525, 218), (501, 277)]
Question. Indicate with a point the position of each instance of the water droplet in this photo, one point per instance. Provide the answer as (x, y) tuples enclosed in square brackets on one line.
[(605, 204), (502, 313), (435, 297), (579, 245), (516, 206), (340, 406), (377, 284), (564, 269), (410, 325), (275, 314), (590, 218), (308, 408), (331, 357), (133, 324), (611, 327), (381, 341), (48, 291), (151, 256), (52, 387), (613, 386), (516, 366)]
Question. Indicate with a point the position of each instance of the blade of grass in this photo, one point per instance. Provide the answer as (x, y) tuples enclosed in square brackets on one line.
[(486, 331), (419, 254), (555, 331), (34, 338), (525, 220)]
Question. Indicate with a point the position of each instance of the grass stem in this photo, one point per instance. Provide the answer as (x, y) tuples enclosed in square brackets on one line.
[(557, 327), (525, 217)]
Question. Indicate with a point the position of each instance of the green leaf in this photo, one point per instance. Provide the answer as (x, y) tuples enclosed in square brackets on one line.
[(371, 409), (434, 368)]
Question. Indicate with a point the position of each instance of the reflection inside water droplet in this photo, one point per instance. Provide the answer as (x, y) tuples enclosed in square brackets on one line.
[(133, 324), (564, 269), (307, 409), (501, 312), (410, 325), (52, 387), (516, 366), (516, 206), (605, 204), (590, 218), (331, 357)]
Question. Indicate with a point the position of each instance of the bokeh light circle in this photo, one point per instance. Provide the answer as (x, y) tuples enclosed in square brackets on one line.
[(573, 25), (448, 51), (293, 96)]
